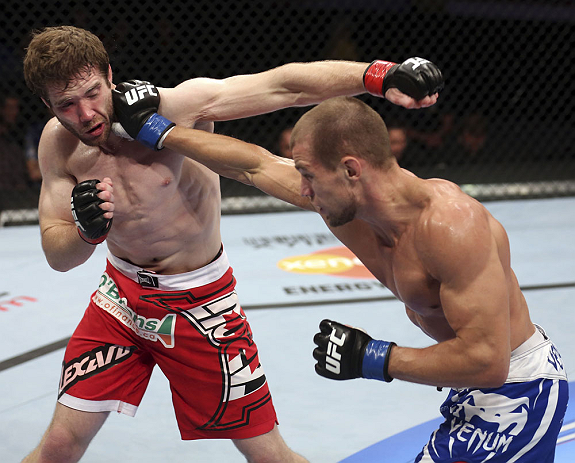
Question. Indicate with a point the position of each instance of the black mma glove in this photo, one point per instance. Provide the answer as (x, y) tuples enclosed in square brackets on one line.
[(416, 77), (344, 352), (135, 105), (93, 227)]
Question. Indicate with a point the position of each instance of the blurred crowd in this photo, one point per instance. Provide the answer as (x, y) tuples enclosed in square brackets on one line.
[(20, 177)]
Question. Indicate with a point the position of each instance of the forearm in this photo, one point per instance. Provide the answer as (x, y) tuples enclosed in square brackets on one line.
[(345, 352), (450, 364), (241, 161), (310, 83), (224, 155), (293, 84), (63, 247), (227, 156)]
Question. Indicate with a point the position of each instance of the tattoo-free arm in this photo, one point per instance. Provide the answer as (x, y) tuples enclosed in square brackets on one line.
[(460, 251), (63, 247), (293, 84), (241, 161)]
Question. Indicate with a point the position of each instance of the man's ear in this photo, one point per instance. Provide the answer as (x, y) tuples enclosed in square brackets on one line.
[(352, 166), (110, 74), (46, 103)]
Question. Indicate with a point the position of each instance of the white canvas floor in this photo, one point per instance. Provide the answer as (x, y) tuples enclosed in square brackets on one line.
[(327, 421)]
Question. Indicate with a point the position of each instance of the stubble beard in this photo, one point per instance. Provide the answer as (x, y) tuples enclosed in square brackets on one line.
[(107, 121), (345, 215)]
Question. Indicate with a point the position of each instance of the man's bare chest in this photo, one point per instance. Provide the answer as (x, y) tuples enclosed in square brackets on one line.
[(400, 269), (141, 178)]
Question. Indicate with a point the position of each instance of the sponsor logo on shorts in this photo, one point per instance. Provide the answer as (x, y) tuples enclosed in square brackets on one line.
[(147, 280), (223, 324), (555, 359), (338, 261), (504, 417), (151, 329), (244, 381), (91, 363), (222, 321)]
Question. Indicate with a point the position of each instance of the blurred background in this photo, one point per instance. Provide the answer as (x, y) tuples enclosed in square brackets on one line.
[(503, 127)]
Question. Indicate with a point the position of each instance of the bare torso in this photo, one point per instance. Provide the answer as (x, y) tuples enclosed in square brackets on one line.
[(167, 207), (400, 268)]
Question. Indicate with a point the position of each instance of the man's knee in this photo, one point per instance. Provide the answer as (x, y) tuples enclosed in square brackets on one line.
[(59, 444), (67, 436)]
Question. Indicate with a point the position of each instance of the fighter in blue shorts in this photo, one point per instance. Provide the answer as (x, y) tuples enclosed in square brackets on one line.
[(440, 252), (517, 422)]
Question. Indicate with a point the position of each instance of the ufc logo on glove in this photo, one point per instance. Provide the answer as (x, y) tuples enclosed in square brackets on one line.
[(416, 62), (136, 103), (333, 357), (138, 93)]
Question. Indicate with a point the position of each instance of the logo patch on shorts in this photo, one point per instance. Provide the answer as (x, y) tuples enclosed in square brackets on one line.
[(147, 280), (91, 363), (151, 329)]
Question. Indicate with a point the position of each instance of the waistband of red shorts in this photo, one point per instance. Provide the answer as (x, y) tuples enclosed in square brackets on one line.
[(179, 282)]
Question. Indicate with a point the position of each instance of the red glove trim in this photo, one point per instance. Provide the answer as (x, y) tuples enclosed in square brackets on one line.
[(89, 241), (374, 75)]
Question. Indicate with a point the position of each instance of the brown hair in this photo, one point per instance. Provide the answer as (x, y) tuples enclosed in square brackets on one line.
[(56, 55), (345, 125)]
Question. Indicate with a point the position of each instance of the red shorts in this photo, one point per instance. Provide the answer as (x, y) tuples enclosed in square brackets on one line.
[(192, 326)]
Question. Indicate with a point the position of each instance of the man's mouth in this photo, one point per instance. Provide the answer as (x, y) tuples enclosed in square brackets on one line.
[(96, 130)]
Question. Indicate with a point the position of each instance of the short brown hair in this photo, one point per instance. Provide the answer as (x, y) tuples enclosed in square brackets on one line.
[(56, 55), (345, 125)]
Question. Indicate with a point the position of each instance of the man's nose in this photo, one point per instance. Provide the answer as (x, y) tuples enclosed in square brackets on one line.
[(85, 112), (306, 190)]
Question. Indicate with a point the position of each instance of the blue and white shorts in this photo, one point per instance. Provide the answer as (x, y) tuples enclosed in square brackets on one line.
[(518, 422)]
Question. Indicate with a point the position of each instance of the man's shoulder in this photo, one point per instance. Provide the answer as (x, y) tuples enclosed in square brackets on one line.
[(53, 130), (450, 212), (454, 230), (447, 198), (57, 140)]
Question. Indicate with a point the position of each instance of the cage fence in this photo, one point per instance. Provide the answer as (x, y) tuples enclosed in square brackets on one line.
[(502, 129)]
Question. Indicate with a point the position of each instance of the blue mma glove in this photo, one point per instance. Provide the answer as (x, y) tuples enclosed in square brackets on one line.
[(136, 108)]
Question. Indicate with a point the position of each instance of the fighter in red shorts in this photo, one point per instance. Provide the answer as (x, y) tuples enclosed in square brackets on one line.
[(137, 319), (160, 300)]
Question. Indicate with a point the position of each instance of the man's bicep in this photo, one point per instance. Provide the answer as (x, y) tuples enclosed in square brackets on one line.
[(476, 301), (54, 203), (187, 102), (205, 99), (478, 312), (459, 251), (473, 295), (57, 185)]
